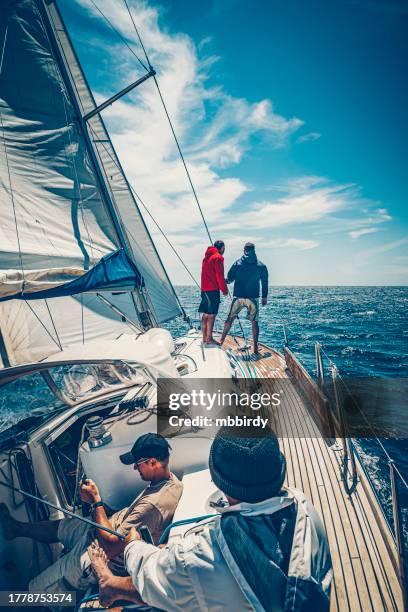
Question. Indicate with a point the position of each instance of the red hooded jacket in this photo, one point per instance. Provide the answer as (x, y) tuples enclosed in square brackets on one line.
[(212, 272)]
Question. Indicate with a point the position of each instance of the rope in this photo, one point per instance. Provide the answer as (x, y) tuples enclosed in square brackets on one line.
[(82, 318)]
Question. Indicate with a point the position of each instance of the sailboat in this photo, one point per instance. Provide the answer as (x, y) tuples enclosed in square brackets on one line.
[(83, 293)]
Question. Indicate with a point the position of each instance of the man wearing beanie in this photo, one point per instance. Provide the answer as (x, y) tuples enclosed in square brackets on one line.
[(265, 550)]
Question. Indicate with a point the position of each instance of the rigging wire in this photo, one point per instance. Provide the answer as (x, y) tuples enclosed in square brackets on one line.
[(162, 232), (128, 231), (119, 35), (43, 324), (175, 139), (53, 324), (138, 197), (171, 126), (179, 149)]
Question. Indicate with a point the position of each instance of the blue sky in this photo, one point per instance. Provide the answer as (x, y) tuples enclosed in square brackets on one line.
[(292, 116)]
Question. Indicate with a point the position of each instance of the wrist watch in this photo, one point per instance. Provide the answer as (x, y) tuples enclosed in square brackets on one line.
[(95, 505)]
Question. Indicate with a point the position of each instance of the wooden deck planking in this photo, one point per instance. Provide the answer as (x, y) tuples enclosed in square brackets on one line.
[(365, 578)]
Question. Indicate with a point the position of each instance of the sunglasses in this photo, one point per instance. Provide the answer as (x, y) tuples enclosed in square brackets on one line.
[(142, 460)]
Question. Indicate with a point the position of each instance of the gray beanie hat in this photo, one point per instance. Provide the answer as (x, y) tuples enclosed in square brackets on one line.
[(246, 464)]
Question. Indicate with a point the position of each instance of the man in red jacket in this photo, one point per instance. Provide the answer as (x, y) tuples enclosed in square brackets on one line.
[(212, 281)]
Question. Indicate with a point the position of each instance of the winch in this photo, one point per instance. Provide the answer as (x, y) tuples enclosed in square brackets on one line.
[(98, 434)]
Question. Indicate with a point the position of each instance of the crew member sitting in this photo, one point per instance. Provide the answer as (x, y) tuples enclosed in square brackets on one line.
[(267, 550), (154, 508)]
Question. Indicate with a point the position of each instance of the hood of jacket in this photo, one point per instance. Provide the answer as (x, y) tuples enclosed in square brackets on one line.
[(212, 250)]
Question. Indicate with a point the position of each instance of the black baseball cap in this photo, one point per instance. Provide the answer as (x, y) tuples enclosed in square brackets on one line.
[(146, 447)]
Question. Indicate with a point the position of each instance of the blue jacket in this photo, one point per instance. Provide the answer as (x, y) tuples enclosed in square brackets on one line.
[(248, 272)]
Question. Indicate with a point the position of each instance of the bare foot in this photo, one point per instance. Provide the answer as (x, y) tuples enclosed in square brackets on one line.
[(99, 563), (10, 529)]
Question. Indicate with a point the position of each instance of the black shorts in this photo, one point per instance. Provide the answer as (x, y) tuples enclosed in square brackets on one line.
[(210, 302)]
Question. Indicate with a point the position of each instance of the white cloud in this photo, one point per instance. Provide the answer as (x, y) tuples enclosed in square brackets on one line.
[(295, 243), (362, 232), (307, 199), (383, 248), (309, 137)]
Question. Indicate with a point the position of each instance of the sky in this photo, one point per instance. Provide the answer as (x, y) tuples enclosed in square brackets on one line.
[(292, 119)]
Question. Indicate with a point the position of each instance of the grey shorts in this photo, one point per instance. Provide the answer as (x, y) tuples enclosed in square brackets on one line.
[(74, 566), (251, 305)]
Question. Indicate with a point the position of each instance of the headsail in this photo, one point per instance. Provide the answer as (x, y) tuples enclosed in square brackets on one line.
[(61, 228)]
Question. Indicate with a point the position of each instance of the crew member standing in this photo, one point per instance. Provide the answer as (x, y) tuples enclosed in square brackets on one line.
[(212, 282)]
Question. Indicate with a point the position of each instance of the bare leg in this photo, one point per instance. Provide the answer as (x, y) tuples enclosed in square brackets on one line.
[(255, 335), (210, 327), (111, 588), (43, 531), (204, 320), (227, 327)]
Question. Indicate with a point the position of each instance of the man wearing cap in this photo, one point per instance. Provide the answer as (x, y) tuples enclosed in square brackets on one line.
[(250, 276), (265, 550), (153, 508)]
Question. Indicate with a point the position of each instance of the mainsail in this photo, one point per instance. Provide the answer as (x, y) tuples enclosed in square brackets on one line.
[(69, 222)]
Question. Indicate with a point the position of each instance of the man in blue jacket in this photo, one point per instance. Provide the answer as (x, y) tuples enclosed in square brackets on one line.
[(249, 275)]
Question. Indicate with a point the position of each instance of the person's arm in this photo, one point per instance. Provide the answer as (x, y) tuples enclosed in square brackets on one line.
[(160, 575), (264, 284), (144, 513), (89, 493), (232, 273), (219, 273)]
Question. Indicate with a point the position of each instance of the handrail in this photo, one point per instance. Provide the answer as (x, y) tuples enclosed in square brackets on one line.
[(398, 529), (349, 451)]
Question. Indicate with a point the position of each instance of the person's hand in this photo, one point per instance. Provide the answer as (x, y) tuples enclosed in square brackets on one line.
[(264, 301), (132, 534), (89, 492)]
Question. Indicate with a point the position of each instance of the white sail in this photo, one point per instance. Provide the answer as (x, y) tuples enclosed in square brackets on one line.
[(162, 296), (54, 223), (33, 330), (61, 206)]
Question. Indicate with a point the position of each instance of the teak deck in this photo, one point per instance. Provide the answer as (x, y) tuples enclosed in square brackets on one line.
[(364, 574)]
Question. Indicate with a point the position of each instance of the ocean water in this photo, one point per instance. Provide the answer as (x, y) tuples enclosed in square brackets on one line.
[(363, 330)]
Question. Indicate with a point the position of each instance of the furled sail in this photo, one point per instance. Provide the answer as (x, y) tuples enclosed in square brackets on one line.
[(61, 231)]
